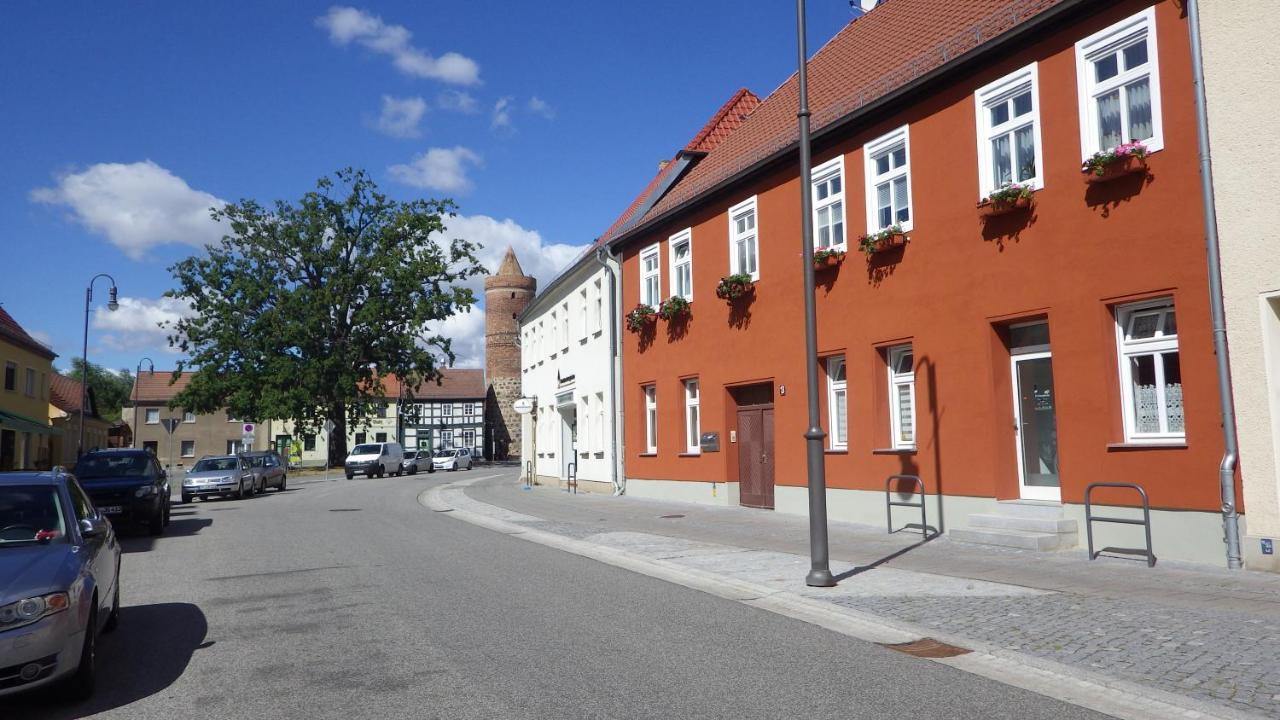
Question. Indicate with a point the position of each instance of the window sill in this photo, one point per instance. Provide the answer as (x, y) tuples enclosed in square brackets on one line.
[(894, 451), (689, 454), (836, 451), (1171, 445), (648, 454)]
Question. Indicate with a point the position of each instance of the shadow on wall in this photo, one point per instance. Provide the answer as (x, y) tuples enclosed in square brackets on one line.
[(1005, 229), (678, 326), (880, 265), (909, 464), (1106, 196), (740, 311), (149, 652)]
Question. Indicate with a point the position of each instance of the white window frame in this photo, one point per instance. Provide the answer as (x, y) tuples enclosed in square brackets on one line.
[(1160, 344), (752, 236), (29, 383), (887, 143), (692, 416), (584, 324), (564, 326), (685, 236), (650, 418), (602, 426), (653, 300), (1110, 39), (995, 93), (835, 388), (897, 380), (188, 417), (182, 450), (151, 416), (833, 168), (597, 308)]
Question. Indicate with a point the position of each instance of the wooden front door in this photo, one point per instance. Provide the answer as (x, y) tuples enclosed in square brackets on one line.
[(755, 456)]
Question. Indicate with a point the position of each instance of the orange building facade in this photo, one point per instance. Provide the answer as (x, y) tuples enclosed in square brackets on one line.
[(1007, 360)]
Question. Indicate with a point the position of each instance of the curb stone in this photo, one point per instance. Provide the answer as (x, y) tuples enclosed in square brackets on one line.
[(1093, 691)]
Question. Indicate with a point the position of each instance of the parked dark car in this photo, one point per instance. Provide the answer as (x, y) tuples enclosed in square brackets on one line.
[(268, 469), (59, 583), (126, 486)]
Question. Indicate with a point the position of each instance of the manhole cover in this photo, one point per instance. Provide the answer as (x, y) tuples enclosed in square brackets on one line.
[(669, 517), (927, 648), (345, 509)]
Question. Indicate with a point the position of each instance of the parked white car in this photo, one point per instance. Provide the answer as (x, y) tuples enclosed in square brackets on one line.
[(379, 458), (452, 459)]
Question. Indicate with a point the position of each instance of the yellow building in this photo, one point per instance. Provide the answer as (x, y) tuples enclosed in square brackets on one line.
[(66, 397), (25, 431)]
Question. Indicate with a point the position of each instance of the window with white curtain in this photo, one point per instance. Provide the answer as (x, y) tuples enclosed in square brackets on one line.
[(1119, 85), (692, 423), (888, 170), (902, 396), (585, 306), (597, 307), (651, 418), (744, 246), (602, 432), (564, 326), (828, 204), (1150, 372), (651, 276), (682, 263), (1009, 131), (837, 403)]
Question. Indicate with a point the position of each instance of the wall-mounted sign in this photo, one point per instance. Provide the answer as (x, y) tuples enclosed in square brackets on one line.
[(248, 428), (524, 406)]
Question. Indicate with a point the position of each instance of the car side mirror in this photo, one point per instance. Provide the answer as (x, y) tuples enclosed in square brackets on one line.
[(93, 527)]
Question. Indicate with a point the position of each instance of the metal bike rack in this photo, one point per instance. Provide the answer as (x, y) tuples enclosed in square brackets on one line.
[(890, 503), (571, 480), (1145, 522)]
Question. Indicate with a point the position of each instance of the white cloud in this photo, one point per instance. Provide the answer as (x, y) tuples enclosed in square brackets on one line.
[(538, 106), (466, 332), (347, 25), (458, 101), (443, 169), (400, 116), (136, 206), (140, 324), (501, 117), (537, 257)]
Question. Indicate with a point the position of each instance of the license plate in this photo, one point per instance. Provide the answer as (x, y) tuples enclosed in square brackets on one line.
[(112, 510)]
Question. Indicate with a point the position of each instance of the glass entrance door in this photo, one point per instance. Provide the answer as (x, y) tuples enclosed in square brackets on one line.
[(1036, 426)]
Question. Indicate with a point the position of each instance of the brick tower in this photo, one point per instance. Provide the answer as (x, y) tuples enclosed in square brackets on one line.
[(506, 294)]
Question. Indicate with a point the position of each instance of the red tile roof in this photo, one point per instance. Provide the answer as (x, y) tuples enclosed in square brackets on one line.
[(874, 55), (731, 115), (461, 383), (155, 387), (65, 393), (10, 330)]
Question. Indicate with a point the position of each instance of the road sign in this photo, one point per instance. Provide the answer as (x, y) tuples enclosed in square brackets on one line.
[(523, 406), (329, 425), (247, 429), (170, 424)]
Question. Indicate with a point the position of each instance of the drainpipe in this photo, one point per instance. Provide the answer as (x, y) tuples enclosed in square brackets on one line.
[(1227, 468), (604, 256)]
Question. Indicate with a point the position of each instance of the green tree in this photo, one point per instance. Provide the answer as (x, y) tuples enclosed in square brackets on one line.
[(112, 389), (302, 308)]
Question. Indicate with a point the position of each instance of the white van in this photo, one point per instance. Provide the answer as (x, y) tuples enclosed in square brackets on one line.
[(379, 458)]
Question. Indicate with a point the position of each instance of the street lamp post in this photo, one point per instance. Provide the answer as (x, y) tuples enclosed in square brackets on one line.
[(820, 564), (151, 370), (112, 305)]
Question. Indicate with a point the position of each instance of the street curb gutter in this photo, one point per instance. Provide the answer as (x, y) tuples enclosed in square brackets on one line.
[(1094, 691)]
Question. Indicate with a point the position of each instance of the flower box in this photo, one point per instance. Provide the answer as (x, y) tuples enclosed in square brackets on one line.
[(886, 239), (673, 308), (1118, 162), (995, 208), (733, 287), (824, 259), (641, 317)]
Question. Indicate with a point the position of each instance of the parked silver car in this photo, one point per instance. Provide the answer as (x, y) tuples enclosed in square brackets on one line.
[(268, 469), (459, 459), (227, 475), (59, 583), (415, 462)]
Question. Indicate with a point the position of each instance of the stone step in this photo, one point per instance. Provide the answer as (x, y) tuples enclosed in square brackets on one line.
[(1030, 508), (1036, 524), (1014, 538)]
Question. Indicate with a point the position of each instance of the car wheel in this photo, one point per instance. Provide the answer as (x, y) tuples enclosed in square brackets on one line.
[(168, 506), (240, 491), (113, 620), (284, 480), (350, 476), (80, 685), (187, 499), (155, 528)]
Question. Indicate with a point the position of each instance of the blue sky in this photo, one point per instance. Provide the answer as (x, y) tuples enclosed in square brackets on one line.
[(122, 122)]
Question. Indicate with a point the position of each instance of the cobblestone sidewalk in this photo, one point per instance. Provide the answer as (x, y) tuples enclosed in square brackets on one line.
[(1160, 628)]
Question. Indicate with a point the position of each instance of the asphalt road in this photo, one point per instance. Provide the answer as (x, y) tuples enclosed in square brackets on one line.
[(347, 599)]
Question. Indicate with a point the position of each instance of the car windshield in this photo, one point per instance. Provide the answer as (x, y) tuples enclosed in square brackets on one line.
[(367, 450), (444, 453), (110, 466), (214, 465), (30, 513)]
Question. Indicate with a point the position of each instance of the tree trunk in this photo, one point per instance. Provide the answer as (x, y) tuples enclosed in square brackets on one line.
[(338, 440)]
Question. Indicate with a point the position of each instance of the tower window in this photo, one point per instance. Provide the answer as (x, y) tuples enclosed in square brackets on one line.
[(513, 296)]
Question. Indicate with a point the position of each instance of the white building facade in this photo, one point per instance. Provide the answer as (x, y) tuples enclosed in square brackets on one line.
[(568, 361)]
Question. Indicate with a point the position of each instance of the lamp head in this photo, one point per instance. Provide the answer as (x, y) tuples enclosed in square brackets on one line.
[(112, 304)]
